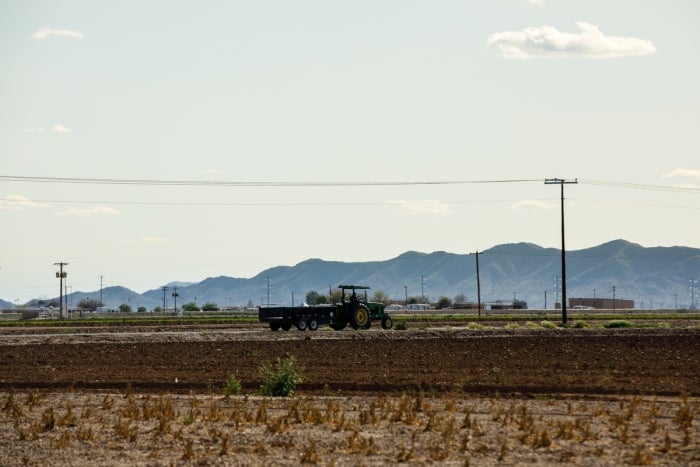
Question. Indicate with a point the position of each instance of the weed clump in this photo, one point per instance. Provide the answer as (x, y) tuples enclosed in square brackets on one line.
[(401, 325), (233, 386), (281, 379)]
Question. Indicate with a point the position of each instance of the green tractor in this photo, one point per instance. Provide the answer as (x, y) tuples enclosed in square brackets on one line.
[(358, 312)]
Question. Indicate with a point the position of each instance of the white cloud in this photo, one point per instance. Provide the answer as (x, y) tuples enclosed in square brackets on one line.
[(528, 204), (53, 129), (420, 207), (547, 41), (147, 239), (44, 33), (18, 202), (680, 172), (83, 212)]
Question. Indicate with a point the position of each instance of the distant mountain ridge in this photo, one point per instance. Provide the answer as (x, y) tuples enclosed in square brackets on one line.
[(654, 277)]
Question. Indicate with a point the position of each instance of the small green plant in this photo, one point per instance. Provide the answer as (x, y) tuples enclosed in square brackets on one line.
[(401, 325), (281, 379), (548, 325), (618, 323), (580, 325), (475, 326), (233, 386)]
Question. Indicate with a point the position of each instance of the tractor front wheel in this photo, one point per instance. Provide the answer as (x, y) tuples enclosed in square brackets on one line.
[(387, 322)]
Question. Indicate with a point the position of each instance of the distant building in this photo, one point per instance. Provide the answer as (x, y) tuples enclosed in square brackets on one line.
[(601, 303), (508, 305)]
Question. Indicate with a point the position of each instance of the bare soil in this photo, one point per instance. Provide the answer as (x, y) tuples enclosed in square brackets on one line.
[(445, 395)]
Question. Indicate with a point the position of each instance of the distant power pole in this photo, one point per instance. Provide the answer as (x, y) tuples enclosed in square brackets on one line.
[(478, 286), (60, 275), (164, 289), (101, 302), (562, 182)]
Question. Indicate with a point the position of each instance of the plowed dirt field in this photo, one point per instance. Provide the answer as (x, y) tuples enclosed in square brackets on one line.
[(445, 395)]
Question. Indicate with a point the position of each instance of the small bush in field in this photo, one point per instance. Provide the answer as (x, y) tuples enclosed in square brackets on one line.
[(233, 386), (401, 325), (281, 379), (548, 325)]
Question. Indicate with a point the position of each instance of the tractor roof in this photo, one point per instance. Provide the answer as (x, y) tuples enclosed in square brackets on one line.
[(353, 287)]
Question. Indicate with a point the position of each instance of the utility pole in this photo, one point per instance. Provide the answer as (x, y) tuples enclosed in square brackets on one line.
[(693, 292), (422, 293), (175, 295), (60, 275), (478, 286), (268, 291), (164, 288), (562, 182), (101, 302)]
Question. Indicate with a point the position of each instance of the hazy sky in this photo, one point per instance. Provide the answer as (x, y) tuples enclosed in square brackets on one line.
[(368, 99)]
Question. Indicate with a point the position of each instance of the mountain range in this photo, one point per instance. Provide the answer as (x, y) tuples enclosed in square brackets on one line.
[(654, 277)]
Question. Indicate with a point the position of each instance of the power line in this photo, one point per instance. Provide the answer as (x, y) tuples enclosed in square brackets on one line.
[(639, 186), (224, 183)]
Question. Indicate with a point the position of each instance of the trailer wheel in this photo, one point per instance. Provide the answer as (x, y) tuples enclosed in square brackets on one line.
[(274, 326), (301, 324), (387, 322), (360, 317), (313, 324), (286, 326)]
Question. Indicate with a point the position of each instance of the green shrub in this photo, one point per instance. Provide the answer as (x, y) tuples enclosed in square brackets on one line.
[(233, 386), (548, 325), (401, 325), (618, 323), (580, 325), (281, 379)]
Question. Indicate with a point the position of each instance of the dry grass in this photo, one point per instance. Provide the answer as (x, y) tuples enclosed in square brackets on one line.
[(54, 429)]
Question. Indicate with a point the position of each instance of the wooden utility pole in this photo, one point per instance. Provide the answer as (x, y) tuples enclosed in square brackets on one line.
[(562, 182), (61, 275)]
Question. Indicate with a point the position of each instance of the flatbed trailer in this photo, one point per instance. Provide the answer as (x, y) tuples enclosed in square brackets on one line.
[(359, 314), (306, 317)]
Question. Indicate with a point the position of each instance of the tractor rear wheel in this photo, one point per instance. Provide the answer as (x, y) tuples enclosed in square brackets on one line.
[(360, 317)]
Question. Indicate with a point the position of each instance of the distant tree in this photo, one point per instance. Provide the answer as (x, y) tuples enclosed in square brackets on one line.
[(380, 296), (157, 309), (89, 304), (444, 302), (315, 298), (142, 309), (417, 299), (460, 298), (210, 306), (192, 306), (336, 296), (125, 308)]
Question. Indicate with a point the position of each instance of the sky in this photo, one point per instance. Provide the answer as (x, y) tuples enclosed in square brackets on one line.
[(150, 142)]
